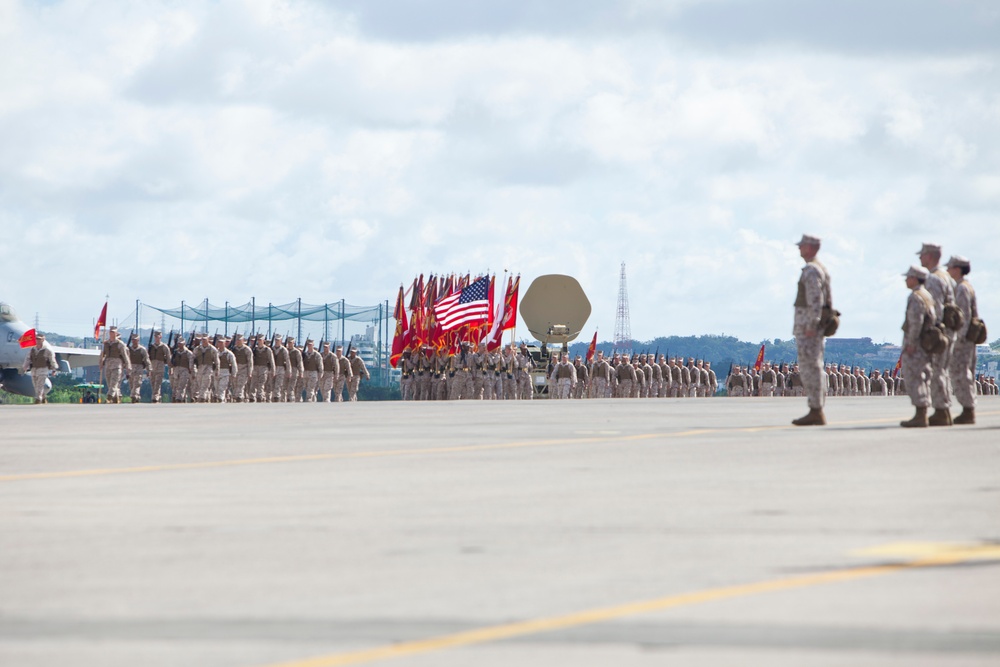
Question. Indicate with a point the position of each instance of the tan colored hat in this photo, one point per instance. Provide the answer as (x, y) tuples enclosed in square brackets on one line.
[(958, 262), (931, 248), (918, 272), (808, 240)]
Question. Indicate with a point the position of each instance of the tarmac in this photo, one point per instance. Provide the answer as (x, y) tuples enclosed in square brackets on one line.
[(637, 532)]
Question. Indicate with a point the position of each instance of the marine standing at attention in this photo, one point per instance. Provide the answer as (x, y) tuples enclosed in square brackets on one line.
[(916, 362), (813, 293), (942, 288), (962, 367)]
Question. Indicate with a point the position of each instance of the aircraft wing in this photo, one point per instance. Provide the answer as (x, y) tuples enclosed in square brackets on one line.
[(76, 357)]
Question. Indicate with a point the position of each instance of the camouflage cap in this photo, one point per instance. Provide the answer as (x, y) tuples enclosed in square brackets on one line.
[(808, 240), (931, 248), (918, 272), (958, 262)]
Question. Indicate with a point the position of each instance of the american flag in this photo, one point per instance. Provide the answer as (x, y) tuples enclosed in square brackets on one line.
[(469, 306)]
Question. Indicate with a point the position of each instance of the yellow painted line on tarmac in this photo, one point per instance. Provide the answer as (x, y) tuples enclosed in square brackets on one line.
[(96, 472), (93, 472), (939, 557)]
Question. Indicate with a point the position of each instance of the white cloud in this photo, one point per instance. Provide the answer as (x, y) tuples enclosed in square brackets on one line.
[(161, 151)]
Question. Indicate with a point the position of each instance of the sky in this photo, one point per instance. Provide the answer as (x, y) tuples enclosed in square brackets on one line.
[(169, 151)]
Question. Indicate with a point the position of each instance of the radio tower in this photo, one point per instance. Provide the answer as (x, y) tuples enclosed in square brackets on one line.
[(623, 326)]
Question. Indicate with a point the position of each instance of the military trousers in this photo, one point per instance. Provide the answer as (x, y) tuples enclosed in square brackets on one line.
[(38, 377), (113, 369), (525, 392), (222, 382), (239, 386), (940, 380), (917, 369), (311, 381), (279, 381), (624, 388), (352, 387), (962, 369), (156, 380), (292, 395), (135, 383), (180, 381), (810, 351), (203, 383), (326, 386), (338, 388), (406, 385), (258, 387)]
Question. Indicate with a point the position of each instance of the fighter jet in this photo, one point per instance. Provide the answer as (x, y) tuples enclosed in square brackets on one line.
[(12, 355)]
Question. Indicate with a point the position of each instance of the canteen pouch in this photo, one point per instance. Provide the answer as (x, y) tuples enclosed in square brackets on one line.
[(952, 317), (977, 331), (829, 321), (933, 339)]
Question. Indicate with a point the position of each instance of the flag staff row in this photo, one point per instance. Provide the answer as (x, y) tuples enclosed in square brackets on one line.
[(446, 312)]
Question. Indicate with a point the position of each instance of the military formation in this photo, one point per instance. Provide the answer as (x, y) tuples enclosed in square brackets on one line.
[(842, 380), (213, 369), (940, 332), (514, 373)]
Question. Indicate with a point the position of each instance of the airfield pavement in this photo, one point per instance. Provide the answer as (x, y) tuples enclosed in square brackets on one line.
[(638, 532)]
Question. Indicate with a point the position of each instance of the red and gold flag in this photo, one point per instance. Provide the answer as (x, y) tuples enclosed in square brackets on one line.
[(402, 329), (592, 350), (510, 303), (28, 338), (760, 358), (101, 321)]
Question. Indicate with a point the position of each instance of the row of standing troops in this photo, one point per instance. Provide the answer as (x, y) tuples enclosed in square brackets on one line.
[(784, 380), (630, 376), (232, 370), (472, 372)]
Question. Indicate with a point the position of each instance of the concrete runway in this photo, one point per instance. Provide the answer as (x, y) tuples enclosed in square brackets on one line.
[(647, 532)]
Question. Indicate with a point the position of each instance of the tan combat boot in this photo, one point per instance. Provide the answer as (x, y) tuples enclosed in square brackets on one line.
[(919, 420), (814, 418), (940, 418), (968, 416)]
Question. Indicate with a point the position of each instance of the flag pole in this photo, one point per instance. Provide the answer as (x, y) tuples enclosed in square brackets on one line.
[(103, 337)]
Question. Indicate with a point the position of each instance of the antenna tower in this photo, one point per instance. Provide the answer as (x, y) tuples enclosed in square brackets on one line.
[(623, 325)]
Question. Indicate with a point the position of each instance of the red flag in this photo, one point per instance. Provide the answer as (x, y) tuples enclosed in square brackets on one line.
[(28, 338), (399, 340), (760, 358), (101, 321), (899, 364), (592, 350), (510, 304)]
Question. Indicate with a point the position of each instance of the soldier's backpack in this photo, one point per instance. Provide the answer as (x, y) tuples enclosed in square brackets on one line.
[(953, 317), (933, 338), (976, 332)]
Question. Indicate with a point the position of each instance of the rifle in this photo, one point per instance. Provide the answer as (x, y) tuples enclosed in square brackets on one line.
[(170, 340), (349, 348), (191, 340), (215, 338), (232, 341), (656, 355), (149, 343)]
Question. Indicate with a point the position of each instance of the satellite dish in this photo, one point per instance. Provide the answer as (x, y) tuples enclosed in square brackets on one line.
[(555, 308)]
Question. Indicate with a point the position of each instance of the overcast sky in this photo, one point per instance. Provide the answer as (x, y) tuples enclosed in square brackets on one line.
[(179, 150)]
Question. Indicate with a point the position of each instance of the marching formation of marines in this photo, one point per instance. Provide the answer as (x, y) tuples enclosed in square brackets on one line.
[(207, 369), (473, 372)]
